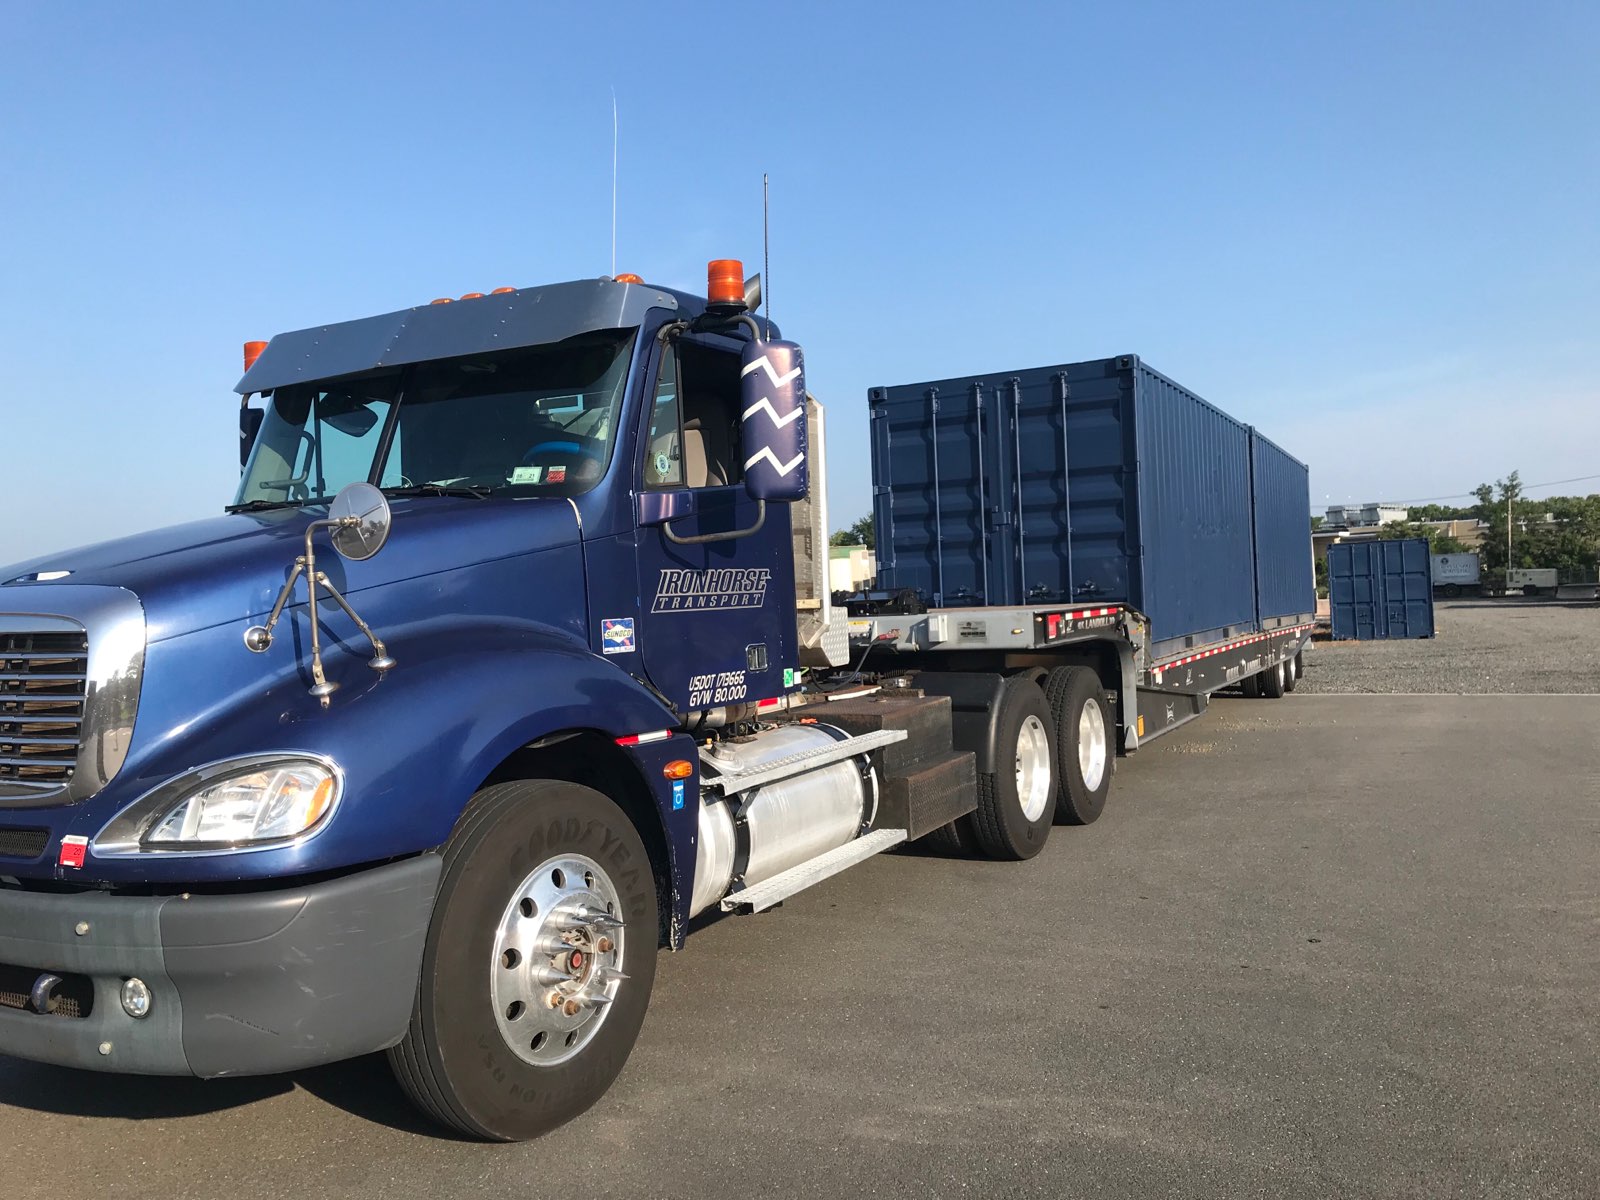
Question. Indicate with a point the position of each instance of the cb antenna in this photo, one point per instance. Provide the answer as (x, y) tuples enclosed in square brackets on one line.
[(766, 265), (613, 182)]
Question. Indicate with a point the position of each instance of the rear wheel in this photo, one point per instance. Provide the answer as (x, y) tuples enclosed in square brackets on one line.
[(1250, 687), (1271, 682), (1016, 802), (1290, 677), (538, 965), (1085, 753)]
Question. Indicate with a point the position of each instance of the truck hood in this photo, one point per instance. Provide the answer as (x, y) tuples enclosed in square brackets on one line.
[(206, 573)]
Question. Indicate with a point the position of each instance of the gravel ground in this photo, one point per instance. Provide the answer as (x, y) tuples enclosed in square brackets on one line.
[(1511, 647)]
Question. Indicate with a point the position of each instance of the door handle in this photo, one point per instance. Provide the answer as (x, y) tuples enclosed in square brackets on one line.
[(698, 539)]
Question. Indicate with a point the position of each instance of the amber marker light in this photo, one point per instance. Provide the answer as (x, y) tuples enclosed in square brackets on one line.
[(628, 277), (252, 351), (725, 282)]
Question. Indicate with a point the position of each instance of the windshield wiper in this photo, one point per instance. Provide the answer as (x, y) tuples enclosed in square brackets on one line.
[(263, 505), (438, 489)]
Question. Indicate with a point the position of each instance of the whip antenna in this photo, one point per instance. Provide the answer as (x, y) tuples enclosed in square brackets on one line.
[(613, 181), (766, 264)]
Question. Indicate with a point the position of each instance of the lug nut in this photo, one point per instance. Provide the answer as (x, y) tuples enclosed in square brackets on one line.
[(572, 1008), (603, 945), (553, 999)]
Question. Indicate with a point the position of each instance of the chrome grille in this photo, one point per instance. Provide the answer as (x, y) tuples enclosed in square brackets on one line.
[(43, 687)]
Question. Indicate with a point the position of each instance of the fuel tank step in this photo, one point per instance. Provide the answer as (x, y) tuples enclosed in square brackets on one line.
[(730, 781), (764, 895)]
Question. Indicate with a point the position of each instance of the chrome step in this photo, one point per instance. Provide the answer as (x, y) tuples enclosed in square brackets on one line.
[(764, 895), (731, 783)]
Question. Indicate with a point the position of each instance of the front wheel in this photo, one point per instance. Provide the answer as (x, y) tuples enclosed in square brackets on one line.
[(538, 965)]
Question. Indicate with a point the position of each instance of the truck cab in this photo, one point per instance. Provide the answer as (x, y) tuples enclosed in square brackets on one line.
[(492, 566)]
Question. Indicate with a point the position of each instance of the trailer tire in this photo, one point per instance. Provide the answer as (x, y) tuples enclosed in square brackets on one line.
[(457, 1061), (1250, 687), (1299, 664), (1085, 752), (1271, 682), (1017, 801), (1289, 676)]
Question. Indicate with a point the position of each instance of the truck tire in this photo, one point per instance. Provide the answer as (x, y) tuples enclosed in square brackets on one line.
[(1250, 687), (1299, 664), (538, 965), (1085, 752), (952, 838), (1271, 682), (1289, 676), (1017, 801)]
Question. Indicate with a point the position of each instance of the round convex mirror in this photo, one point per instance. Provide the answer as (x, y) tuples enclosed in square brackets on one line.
[(365, 536)]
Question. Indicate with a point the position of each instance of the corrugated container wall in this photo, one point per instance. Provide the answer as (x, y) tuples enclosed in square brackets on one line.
[(1380, 589), (1092, 482), (1280, 486)]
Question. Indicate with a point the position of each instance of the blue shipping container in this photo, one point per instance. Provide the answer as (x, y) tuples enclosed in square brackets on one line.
[(1092, 482), (1380, 589), (1280, 489)]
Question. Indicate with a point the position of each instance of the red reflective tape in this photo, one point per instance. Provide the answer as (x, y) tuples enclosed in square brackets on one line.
[(639, 739)]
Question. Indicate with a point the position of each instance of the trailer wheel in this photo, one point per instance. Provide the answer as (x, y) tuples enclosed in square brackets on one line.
[(1289, 676), (1299, 664), (1529, 590), (1271, 682), (1250, 687), (538, 964), (1017, 801), (1085, 752)]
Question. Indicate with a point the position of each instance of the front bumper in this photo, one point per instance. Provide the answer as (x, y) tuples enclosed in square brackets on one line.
[(247, 984)]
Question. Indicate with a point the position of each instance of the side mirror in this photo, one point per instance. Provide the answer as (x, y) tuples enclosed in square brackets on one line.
[(361, 519), (772, 421), (249, 425)]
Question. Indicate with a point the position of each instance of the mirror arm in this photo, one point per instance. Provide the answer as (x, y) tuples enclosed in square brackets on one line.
[(380, 655), (699, 539)]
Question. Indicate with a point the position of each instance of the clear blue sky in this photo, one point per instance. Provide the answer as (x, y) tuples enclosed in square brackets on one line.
[(1372, 229)]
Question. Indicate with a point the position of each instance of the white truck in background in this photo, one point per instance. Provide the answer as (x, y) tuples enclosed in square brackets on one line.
[(1457, 574)]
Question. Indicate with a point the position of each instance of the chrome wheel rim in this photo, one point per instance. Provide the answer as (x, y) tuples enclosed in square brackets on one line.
[(558, 960), (1092, 746), (1033, 767)]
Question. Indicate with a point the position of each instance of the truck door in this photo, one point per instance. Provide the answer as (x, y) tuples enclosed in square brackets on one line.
[(716, 617)]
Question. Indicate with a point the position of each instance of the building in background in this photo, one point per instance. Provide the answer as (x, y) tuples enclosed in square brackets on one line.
[(851, 568), (1358, 516)]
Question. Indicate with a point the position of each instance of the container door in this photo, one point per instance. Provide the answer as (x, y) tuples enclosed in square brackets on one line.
[(932, 466), (1407, 588), (1032, 453)]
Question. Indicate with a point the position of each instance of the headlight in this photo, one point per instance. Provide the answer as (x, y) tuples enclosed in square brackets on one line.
[(268, 804), (240, 803)]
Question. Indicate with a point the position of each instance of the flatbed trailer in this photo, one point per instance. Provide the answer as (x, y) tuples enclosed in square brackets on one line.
[(1152, 696)]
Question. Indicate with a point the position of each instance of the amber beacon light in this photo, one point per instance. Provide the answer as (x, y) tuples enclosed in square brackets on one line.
[(725, 282), (252, 351)]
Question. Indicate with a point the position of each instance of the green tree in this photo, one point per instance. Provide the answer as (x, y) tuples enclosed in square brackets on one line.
[(859, 534), (1438, 541)]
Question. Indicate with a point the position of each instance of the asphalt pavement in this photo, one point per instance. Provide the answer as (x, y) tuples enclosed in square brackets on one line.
[(1323, 946)]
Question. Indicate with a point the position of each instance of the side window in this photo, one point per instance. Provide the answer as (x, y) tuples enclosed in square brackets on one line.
[(709, 383), (663, 448)]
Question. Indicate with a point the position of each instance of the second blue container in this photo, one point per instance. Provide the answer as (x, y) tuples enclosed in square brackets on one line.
[(1091, 482)]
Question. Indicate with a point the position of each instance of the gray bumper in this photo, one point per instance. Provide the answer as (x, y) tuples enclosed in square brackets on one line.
[(247, 984)]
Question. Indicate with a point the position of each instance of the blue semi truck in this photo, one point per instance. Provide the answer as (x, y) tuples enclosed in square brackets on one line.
[(514, 654)]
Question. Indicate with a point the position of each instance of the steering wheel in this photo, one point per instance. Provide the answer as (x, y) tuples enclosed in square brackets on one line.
[(563, 448)]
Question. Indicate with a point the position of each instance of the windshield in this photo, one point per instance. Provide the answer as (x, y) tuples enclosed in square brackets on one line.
[(534, 421)]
